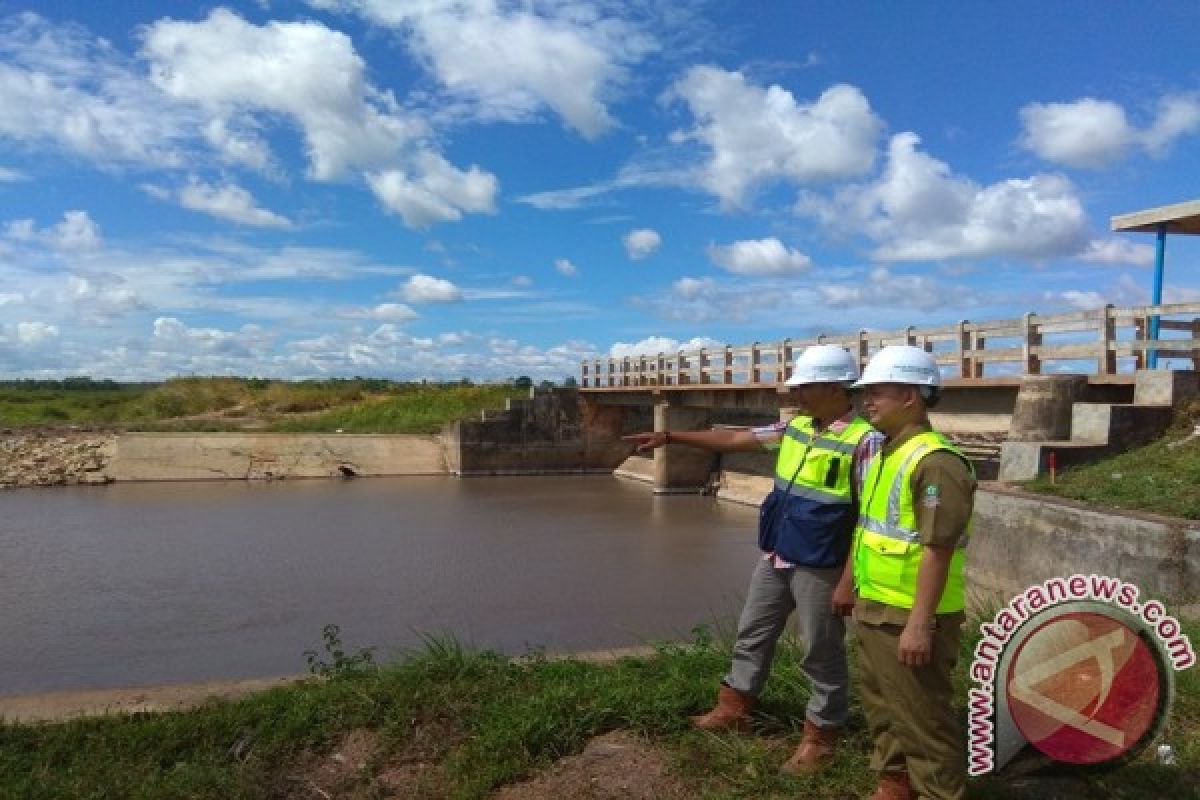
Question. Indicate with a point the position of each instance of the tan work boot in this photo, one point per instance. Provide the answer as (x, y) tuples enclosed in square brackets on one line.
[(893, 786), (732, 712), (815, 750)]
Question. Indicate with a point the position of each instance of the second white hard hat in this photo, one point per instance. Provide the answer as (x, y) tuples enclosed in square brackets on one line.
[(823, 363), (901, 363)]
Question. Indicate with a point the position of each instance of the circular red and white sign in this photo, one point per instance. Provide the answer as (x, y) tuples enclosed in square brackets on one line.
[(1085, 687)]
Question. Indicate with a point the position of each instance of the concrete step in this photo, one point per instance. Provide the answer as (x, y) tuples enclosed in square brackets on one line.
[(1118, 424), (983, 450), (1099, 429), (1024, 461)]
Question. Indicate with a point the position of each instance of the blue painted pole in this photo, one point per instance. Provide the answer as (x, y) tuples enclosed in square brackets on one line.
[(1160, 253)]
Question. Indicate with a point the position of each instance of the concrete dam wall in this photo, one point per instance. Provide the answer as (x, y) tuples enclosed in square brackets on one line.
[(265, 456)]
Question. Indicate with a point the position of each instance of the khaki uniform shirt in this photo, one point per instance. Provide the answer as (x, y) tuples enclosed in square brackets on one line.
[(943, 493)]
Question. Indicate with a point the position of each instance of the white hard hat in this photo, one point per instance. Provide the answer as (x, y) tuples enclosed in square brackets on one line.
[(901, 363), (823, 363)]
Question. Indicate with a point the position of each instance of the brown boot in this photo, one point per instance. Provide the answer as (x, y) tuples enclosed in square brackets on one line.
[(732, 712), (815, 750), (893, 786)]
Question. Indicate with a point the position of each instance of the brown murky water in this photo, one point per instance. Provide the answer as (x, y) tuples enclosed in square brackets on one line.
[(139, 584)]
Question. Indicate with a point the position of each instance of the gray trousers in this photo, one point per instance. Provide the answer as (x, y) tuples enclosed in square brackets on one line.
[(772, 596)]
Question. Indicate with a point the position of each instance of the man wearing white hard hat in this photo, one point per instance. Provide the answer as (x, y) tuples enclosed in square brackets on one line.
[(805, 530), (914, 517)]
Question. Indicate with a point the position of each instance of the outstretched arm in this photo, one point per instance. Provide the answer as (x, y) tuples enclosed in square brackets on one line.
[(718, 440)]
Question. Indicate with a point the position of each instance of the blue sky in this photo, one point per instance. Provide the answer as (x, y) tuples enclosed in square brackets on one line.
[(484, 189)]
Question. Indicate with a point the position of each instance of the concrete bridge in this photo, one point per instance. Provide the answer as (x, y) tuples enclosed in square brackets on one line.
[(1094, 360)]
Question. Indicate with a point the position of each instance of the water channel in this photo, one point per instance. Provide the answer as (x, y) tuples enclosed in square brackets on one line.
[(155, 583)]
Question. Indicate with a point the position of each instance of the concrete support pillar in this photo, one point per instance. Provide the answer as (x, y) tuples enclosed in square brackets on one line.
[(680, 469)]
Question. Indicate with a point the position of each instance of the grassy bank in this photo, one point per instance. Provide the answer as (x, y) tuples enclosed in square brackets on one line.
[(1162, 477), (231, 404), (446, 722)]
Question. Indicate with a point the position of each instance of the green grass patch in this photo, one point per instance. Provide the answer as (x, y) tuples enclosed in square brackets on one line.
[(34, 406), (1162, 477), (357, 405), (487, 721), (417, 409)]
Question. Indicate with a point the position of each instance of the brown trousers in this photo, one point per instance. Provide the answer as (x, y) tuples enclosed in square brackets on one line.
[(910, 710)]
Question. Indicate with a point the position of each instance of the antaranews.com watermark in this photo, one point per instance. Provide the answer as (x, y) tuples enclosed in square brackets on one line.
[(1079, 668)]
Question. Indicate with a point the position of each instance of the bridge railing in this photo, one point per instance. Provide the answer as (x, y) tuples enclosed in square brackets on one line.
[(1103, 341)]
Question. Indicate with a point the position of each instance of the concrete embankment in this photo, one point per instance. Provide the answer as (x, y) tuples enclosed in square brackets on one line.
[(249, 456), (61, 458), (550, 432)]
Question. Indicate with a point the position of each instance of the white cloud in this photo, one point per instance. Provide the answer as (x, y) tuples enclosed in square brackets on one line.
[(882, 288), (522, 281), (759, 135), (218, 85), (31, 334), (1090, 133), (1118, 251), (76, 233), (238, 144), (384, 312), (20, 230), (102, 297), (209, 350), (697, 300), (630, 176), (229, 202), (918, 210), (390, 352), (690, 288), (435, 192), (565, 267), (8, 175), (1177, 116), (428, 289), (302, 70), (1086, 133), (654, 345), (510, 60), (63, 88), (759, 257), (1079, 300), (641, 243)]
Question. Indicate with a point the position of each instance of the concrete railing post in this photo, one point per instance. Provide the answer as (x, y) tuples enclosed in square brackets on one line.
[(1033, 341), (964, 349), (1106, 363)]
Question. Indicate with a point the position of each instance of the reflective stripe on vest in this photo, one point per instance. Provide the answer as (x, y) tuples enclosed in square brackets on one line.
[(887, 550), (806, 464)]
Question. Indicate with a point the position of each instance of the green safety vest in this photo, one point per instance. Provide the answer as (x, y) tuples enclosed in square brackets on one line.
[(817, 466), (887, 550)]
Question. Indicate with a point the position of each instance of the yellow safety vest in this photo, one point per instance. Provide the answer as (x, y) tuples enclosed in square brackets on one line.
[(815, 465), (887, 549), (808, 518)]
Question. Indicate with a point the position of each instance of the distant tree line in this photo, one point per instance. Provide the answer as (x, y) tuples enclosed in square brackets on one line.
[(86, 383), (77, 383)]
